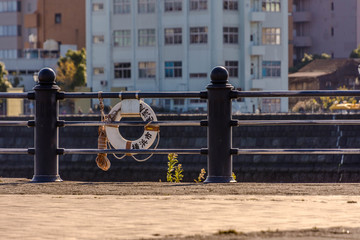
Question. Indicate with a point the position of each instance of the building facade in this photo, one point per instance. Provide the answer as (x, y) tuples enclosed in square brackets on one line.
[(34, 33), (172, 45), (325, 26)]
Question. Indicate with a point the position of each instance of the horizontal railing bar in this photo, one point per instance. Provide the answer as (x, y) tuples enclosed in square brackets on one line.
[(324, 151), (14, 151), (135, 151), (13, 95), (128, 123), (315, 93), (13, 123), (135, 95), (296, 122)]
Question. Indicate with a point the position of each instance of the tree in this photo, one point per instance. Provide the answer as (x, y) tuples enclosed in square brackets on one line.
[(327, 102), (308, 58), (4, 83), (355, 53), (71, 71), (16, 80)]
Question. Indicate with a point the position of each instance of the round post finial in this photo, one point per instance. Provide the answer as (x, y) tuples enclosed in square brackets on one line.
[(219, 75), (47, 76)]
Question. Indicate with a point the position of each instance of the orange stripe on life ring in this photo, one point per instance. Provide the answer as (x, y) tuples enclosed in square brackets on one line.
[(152, 128), (128, 147)]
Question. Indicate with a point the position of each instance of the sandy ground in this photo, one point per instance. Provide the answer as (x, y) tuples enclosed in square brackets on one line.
[(147, 210)]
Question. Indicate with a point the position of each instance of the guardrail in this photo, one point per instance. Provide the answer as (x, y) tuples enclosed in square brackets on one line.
[(219, 95)]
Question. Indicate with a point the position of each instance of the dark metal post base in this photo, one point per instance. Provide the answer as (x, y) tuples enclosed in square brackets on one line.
[(46, 178), (220, 179)]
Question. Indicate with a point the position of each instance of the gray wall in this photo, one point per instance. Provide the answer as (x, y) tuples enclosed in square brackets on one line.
[(257, 168)]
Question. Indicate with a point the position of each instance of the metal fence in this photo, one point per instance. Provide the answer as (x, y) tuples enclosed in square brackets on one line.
[(219, 95)]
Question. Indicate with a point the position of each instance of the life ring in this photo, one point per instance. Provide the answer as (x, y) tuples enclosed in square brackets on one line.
[(132, 108)]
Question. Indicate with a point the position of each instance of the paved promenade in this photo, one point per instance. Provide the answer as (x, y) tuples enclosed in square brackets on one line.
[(87, 210)]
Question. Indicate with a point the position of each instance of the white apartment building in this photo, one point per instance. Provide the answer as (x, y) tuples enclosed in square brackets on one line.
[(172, 45)]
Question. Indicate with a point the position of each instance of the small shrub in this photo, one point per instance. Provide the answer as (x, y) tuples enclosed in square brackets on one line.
[(201, 176), (174, 172), (233, 175)]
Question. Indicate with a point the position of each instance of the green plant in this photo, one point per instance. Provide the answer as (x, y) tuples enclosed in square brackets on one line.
[(233, 175), (178, 173), (327, 102), (309, 105), (201, 176), (174, 172)]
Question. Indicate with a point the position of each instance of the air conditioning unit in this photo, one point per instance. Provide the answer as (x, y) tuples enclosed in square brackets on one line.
[(103, 83)]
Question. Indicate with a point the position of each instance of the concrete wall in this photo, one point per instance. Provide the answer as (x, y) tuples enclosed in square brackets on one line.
[(255, 168)]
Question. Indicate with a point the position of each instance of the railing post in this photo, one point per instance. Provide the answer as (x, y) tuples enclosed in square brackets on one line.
[(219, 133), (46, 160)]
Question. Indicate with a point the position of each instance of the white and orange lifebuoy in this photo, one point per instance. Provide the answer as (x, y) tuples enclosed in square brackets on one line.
[(132, 108)]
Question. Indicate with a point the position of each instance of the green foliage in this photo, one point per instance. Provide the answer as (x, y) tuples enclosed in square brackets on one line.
[(174, 173), (233, 175), (4, 83), (327, 102), (309, 105), (308, 58), (201, 176), (355, 53), (71, 71), (178, 173), (16, 79)]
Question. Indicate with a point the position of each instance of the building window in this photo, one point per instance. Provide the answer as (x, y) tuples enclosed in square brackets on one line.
[(332, 31), (122, 70), (96, 7), (198, 35), (270, 105), (147, 69), (146, 37), (122, 38), (173, 36), (233, 68), (57, 18), (332, 6), (98, 39), (121, 6), (271, 68), (197, 5), (271, 6), (173, 69), (173, 5), (98, 70), (230, 5), (10, 30), (231, 35), (198, 75), (179, 101), (271, 36), (10, 6), (146, 6), (8, 54)]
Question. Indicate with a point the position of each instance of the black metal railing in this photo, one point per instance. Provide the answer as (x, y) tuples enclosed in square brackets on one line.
[(219, 95)]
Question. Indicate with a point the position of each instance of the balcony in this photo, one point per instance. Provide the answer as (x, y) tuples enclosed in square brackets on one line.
[(40, 53), (257, 50), (257, 16), (302, 41), (301, 16), (31, 21)]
